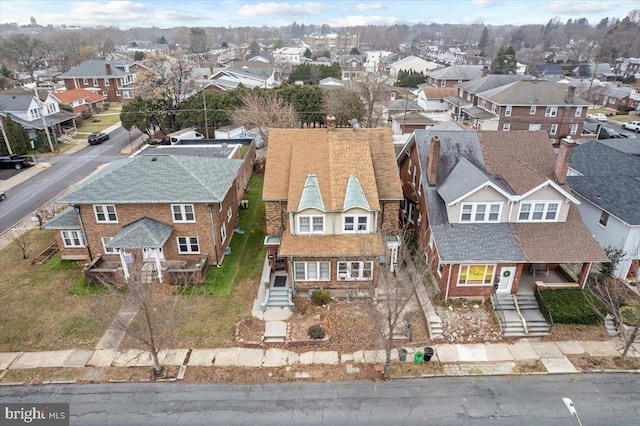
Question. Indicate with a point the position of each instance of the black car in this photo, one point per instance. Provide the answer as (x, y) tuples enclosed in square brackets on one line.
[(15, 161), (97, 137)]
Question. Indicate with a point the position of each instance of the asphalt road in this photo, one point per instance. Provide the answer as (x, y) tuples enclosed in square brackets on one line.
[(600, 399), (25, 198)]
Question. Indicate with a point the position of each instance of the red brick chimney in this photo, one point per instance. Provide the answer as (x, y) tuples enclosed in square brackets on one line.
[(434, 158), (563, 159), (108, 68)]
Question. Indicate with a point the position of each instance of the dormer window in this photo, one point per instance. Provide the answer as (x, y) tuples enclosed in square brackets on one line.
[(356, 224), (311, 224), (539, 212), (480, 212)]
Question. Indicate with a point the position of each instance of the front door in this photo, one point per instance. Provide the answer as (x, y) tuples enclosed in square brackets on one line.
[(506, 279)]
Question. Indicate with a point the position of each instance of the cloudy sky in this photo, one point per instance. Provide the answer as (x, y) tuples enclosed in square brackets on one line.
[(234, 13)]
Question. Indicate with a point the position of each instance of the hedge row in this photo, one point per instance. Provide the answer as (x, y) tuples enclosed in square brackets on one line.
[(570, 306)]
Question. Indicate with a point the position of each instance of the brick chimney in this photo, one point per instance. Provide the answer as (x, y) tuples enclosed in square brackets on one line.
[(563, 159), (485, 71), (331, 124), (108, 68), (434, 158), (571, 93)]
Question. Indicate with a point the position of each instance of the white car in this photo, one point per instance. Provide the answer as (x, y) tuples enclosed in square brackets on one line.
[(597, 116), (632, 125)]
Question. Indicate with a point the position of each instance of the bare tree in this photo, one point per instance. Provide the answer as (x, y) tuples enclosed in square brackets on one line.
[(26, 51), (344, 104), (45, 213), (263, 110), (21, 239), (371, 89)]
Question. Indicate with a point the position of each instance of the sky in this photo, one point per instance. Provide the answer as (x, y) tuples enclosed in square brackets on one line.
[(336, 13)]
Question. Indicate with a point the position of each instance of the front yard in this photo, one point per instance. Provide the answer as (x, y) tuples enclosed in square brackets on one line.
[(99, 122)]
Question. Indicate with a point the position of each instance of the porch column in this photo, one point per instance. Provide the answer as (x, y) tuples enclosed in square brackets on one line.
[(584, 274), (156, 255), (125, 268)]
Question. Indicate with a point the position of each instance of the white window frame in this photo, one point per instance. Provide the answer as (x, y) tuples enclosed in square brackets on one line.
[(105, 241), (533, 209), (554, 129), (578, 111), (85, 81), (415, 175), (604, 219), (106, 82), (188, 242), (533, 109), (354, 274), (506, 127), (104, 93), (117, 93), (534, 127), (356, 224), (104, 210), (223, 232), (322, 271), (312, 224), (181, 215), (507, 111), (551, 111), (494, 108), (411, 212), (484, 275), (574, 129), (72, 239), (95, 82), (229, 214), (474, 212)]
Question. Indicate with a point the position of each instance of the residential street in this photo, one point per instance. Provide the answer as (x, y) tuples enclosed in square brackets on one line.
[(602, 399), (65, 170)]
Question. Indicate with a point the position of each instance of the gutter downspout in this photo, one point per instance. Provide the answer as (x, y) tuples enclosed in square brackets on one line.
[(213, 233), (446, 296), (84, 233)]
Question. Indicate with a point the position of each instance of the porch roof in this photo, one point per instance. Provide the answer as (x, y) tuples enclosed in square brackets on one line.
[(67, 219), (361, 245), (479, 113), (143, 233)]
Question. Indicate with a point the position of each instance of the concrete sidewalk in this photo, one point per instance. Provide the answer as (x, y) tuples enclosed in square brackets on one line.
[(457, 359)]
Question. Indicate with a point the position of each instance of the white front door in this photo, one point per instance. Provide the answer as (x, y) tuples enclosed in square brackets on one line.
[(506, 279)]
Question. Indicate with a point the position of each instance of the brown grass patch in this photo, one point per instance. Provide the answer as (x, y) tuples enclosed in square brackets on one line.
[(563, 332), (409, 368), (317, 373), (586, 362), (529, 367)]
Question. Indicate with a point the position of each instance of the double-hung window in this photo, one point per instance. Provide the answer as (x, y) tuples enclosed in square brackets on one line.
[(507, 111), (551, 111), (311, 224), (223, 232), (554, 129), (539, 212), (480, 212), (312, 271), (72, 238), (476, 274), (356, 224), (183, 213), (574, 129), (105, 241), (578, 111), (355, 271), (187, 245), (105, 213)]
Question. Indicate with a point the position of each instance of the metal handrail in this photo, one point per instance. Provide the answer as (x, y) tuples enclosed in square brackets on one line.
[(496, 304), (524, 322), (548, 311)]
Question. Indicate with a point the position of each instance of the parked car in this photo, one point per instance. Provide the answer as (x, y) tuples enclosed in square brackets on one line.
[(15, 161), (597, 116), (97, 137), (2, 196), (632, 125), (610, 132), (628, 135)]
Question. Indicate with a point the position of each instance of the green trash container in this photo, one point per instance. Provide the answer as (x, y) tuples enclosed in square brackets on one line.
[(418, 357)]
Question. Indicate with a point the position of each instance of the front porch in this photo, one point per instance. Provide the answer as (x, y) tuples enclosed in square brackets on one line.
[(551, 276)]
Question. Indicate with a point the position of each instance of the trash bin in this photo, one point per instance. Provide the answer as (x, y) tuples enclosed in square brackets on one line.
[(428, 353), (402, 354), (417, 358)]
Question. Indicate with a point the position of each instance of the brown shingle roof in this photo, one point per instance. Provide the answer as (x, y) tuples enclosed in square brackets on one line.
[(362, 245), (568, 241), (439, 92), (69, 96)]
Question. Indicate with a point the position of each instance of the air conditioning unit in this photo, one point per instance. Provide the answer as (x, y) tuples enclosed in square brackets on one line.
[(244, 204)]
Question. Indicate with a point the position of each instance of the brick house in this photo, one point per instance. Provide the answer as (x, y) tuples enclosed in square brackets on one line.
[(492, 212), (353, 67), (111, 79), (332, 217), (174, 208), (455, 74), (81, 100)]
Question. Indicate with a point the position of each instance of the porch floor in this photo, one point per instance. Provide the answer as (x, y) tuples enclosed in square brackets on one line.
[(527, 280)]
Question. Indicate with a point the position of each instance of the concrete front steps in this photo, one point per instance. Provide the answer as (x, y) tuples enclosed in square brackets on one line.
[(512, 324), (279, 297)]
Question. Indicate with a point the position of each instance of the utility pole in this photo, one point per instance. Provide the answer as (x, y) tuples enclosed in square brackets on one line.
[(44, 122), (204, 103), (4, 135)]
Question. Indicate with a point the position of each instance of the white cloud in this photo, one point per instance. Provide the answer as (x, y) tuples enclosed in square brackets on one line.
[(484, 3), (357, 20), (369, 6), (172, 15), (87, 13), (286, 9), (577, 7)]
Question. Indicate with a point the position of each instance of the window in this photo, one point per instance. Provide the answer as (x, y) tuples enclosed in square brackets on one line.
[(104, 93), (105, 213), (578, 111), (480, 212), (551, 111), (493, 108), (356, 224), (415, 174), (95, 81), (126, 94), (539, 212), (117, 93), (85, 81), (604, 218), (223, 233), (188, 245), (412, 212), (476, 274), (469, 97), (554, 129), (355, 271), (312, 271), (311, 224), (507, 111), (183, 213), (72, 238), (534, 127), (35, 112), (105, 241), (229, 214), (574, 129), (106, 82), (506, 127), (443, 83), (532, 110)]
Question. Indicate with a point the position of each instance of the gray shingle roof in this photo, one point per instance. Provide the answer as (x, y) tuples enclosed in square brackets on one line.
[(587, 159), (15, 103), (143, 233), (401, 105), (531, 92), (490, 82), (95, 68), (67, 219), (464, 178), (457, 72), (158, 179)]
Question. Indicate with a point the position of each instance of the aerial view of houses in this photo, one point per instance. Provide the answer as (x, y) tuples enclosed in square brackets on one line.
[(337, 200)]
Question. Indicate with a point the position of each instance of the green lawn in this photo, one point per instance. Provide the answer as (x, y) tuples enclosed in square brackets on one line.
[(99, 122)]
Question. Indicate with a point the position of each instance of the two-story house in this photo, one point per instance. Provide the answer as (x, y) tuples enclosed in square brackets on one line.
[(607, 182), (492, 212), (352, 66), (289, 55), (81, 100), (332, 217), (173, 208), (532, 105), (455, 74), (111, 79)]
